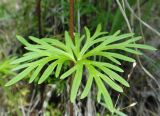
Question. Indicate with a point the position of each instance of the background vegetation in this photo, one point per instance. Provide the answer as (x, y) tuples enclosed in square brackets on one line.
[(50, 18)]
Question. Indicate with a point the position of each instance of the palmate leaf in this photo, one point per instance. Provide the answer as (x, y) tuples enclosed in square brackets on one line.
[(51, 55)]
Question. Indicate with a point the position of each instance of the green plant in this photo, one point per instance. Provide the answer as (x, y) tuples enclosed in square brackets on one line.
[(5, 67), (81, 52), (7, 97)]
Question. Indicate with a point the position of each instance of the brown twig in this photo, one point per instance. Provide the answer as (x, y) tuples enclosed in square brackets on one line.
[(41, 88), (38, 12), (71, 31)]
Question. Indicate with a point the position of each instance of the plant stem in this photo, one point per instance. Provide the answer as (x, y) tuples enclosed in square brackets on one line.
[(71, 19), (71, 31), (38, 11)]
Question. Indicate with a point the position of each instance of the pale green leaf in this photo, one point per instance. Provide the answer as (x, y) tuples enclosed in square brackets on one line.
[(101, 86), (132, 51), (117, 38), (37, 40), (76, 82), (47, 72), (108, 65), (41, 64), (77, 44), (22, 66), (88, 35), (35, 73), (22, 40), (111, 83), (25, 58), (69, 42), (147, 47), (133, 39), (105, 93), (104, 54), (98, 32), (87, 88), (114, 76), (55, 42), (99, 94), (67, 73), (120, 56), (58, 69), (52, 52), (20, 76)]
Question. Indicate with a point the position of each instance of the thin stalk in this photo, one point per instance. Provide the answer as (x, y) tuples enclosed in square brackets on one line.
[(71, 19), (71, 31), (38, 11)]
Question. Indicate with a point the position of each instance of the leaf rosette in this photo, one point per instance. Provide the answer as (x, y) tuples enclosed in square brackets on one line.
[(81, 52)]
